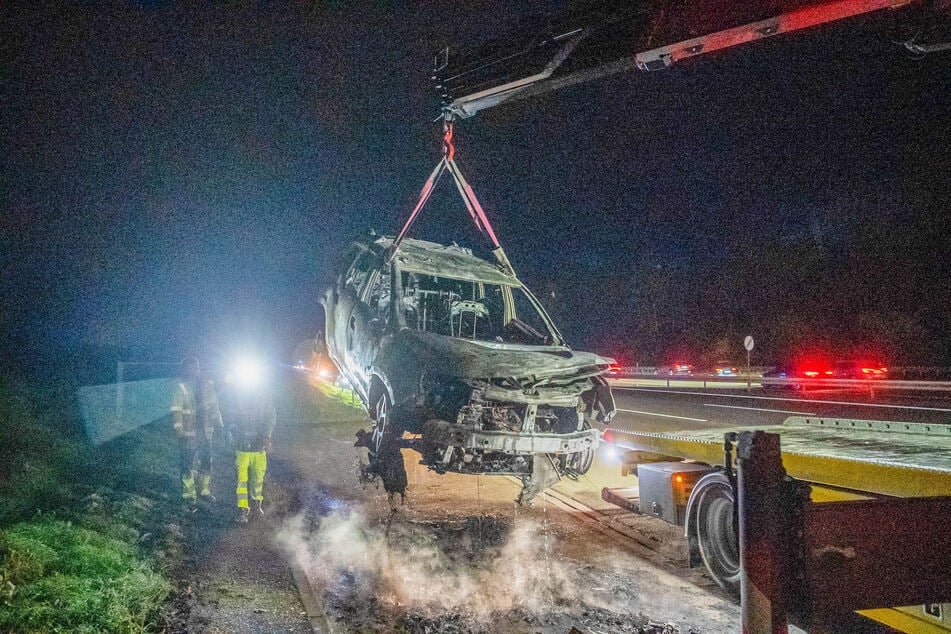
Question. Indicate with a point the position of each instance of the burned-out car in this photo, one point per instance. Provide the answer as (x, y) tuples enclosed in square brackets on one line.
[(454, 350)]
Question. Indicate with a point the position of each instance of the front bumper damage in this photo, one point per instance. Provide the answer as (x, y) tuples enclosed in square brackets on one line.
[(538, 459), (451, 435), (537, 429)]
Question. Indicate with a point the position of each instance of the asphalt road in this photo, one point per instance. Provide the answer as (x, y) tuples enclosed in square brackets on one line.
[(692, 407)]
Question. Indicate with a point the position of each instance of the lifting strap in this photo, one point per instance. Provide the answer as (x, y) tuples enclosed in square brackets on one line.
[(447, 162)]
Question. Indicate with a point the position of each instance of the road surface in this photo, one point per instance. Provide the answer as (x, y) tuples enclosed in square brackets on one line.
[(693, 407)]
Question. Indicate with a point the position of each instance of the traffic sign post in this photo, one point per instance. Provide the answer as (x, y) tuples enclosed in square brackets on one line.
[(748, 344)]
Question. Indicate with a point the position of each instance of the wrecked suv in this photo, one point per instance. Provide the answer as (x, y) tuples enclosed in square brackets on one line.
[(454, 350)]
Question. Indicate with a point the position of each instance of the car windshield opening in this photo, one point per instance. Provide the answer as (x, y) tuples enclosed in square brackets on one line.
[(473, 310)]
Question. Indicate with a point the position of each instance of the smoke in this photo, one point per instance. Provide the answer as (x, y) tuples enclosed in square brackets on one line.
[(473, 568)]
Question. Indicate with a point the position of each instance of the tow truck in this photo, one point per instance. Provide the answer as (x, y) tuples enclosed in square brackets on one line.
[(881, 480), (849, 515)]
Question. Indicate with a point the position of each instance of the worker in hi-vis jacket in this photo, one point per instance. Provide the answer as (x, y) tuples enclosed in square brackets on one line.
[(250, 419), (195, 418)]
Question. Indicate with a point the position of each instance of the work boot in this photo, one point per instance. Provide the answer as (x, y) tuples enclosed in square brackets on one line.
[(189, 506), (259, 508), (243, 515)]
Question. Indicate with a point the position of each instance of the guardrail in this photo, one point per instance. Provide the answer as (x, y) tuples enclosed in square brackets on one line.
[(767, 383), (665, 371), (895, 373), (858, 384)]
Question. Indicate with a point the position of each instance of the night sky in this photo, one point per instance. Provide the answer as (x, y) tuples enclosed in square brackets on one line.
[(181, 179)]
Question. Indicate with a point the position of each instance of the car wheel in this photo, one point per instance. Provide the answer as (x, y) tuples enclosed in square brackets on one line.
[(382, 425), (581, 461), (386, 459)]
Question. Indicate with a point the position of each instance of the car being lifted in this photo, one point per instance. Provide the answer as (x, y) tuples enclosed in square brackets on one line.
[(457, 352)]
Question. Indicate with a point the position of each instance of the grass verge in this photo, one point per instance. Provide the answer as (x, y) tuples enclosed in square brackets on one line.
[(335, 394), (84, 573), (59, 576)]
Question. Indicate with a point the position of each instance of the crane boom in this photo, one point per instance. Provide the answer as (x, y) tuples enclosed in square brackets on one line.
[(600, 39)]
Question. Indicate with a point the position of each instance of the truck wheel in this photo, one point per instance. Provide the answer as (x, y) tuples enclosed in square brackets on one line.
[(716, 530)]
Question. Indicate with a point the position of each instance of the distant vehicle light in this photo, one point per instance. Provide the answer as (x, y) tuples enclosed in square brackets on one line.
[(811, 373)]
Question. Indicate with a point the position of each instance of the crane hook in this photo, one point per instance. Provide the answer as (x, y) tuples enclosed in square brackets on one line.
[(449, 150)]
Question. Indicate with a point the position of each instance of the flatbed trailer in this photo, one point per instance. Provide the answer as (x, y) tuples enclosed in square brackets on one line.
[(882, 478)]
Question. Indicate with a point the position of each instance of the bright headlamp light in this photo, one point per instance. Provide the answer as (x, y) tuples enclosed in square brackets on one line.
[(248, 373)]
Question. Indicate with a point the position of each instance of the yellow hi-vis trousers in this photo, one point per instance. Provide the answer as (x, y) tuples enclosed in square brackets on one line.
[(188, 485), (254, 462)]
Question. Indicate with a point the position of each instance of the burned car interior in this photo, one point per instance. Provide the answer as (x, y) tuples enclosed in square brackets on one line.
[(454, 350)]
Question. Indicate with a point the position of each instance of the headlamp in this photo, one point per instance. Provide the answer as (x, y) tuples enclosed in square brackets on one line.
[(248, 373)]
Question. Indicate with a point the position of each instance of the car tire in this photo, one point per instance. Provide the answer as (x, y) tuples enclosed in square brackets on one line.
[(383, 426), (580, 462)]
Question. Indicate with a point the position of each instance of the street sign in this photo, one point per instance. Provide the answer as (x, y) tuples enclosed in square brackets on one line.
[(748, 343)]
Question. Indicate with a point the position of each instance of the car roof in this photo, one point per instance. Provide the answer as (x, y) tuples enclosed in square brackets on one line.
[(431, 258)]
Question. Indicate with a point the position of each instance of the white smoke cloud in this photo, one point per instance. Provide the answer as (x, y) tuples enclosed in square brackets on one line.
[(476, 571)]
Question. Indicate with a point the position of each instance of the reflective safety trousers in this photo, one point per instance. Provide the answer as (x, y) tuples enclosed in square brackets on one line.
[(253, 464), (195, 458)]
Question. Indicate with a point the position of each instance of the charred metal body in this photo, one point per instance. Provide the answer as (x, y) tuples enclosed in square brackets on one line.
[(455, 351)]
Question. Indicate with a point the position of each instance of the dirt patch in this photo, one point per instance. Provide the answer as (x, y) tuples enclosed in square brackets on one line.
[(466, 574)]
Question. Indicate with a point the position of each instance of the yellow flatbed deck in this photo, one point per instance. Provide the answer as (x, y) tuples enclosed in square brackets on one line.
[(887, 458)]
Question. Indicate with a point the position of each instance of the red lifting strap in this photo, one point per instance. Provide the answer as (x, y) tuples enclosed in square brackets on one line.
[(468, 197)]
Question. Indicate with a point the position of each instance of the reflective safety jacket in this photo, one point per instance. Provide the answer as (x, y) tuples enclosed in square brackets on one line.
[(250, 417), (195, 410)]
